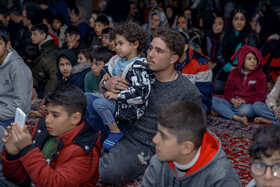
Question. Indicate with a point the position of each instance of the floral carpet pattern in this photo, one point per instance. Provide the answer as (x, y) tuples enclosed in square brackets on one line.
[(235, 138)]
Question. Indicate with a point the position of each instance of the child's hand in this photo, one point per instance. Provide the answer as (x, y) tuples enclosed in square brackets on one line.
[(21, 137), (110, 95), (34, 94), (237, 102), (276, 112), (9, 145)]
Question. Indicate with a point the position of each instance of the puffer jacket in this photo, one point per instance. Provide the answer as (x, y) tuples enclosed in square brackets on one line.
[(73, 163)]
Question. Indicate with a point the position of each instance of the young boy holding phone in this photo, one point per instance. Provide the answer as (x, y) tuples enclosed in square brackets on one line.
[(63, 149)]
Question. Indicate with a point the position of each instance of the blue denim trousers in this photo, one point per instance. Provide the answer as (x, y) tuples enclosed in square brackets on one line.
[(5, 123), (262, 110), (226, 109), (92, 117)]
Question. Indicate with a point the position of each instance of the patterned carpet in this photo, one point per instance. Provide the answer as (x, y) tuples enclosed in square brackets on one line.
[(235, 138)]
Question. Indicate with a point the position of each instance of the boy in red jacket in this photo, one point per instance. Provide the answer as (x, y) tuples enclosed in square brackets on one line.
[(63, 150), (245, 85)]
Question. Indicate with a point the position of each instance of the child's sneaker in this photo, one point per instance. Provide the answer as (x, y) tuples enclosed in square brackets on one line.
[(112, 139)]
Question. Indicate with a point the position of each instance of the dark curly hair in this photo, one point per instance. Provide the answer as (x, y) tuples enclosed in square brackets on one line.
[(265, 141), (132, 32)]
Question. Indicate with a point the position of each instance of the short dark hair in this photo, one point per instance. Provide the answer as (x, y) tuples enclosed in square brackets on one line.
[(132, 32), (265, 141), (173, 40), (107, 30), (4, 11), (41, 28), (101, 53), (103, 20), (70, 97), (86, 52), (15, 10), (76, 10), (4, 34), (33, 13), (186, 120), (72, 30)]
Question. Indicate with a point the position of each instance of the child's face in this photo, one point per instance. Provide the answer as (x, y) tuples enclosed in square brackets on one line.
[(218, 25), (72, 40), (82, 58), (58, 120), (98, 28), (167, 148), (124, 48), (105, 40), (73, 17), (92, 20), (96, 66), (267, 179), (37, 37), (56, 24), (250, 62), (65, 67), (155, 21), (112, 46), (182, 22)]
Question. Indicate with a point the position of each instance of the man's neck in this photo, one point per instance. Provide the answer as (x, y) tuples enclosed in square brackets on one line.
[(167, 75)]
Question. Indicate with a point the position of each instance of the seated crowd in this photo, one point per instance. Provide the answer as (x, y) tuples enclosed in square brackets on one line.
[(127, 92)]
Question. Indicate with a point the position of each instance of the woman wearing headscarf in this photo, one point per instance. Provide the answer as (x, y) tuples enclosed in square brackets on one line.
[(237, 34), (156, 20)]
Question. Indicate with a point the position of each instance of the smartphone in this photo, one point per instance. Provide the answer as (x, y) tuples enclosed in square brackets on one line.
[(20, 117)]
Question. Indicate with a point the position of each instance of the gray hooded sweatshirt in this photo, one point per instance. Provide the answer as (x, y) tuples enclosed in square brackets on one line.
[(212, 169), (16, 86)]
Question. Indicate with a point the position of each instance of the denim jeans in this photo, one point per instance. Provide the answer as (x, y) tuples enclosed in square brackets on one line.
[(225, 109), (262, 110), (105, 109), (92, 117), (6, 123)]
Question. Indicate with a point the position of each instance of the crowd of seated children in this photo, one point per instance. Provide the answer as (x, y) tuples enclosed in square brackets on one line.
[(245, 85), (98, 58), (265, 155), (128, 105), (63, 149)]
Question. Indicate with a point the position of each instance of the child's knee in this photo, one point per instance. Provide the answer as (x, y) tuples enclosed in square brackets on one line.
[(247, 110)]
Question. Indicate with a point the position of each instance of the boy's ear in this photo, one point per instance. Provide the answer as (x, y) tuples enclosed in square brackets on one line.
[(174, 59), (78, 37), (136, 44), (8, 45), (76, 118), (188, 147), (186, 47)]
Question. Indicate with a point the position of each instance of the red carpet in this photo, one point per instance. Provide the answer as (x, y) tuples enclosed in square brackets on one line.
[(235, 138)]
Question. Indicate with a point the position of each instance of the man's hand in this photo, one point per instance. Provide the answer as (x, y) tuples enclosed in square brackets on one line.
[(9, 145), (110, 95), (21, 137), (116, 83)]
